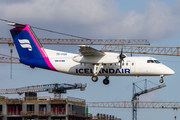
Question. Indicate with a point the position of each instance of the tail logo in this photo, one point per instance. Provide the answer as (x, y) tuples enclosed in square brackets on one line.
[(25, 44)]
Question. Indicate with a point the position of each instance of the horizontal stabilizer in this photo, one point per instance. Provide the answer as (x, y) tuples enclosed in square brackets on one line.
[(16, 24)]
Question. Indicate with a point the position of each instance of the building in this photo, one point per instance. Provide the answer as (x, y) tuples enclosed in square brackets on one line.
[(43, 108)]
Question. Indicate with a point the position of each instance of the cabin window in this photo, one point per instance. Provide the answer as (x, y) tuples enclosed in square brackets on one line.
[(115, 64), (110, 64), (132, 64), (126, 63), (122, 63)]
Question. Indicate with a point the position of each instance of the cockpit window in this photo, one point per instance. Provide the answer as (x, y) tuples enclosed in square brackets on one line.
[(156, 61), (150, 61), (153, 61)]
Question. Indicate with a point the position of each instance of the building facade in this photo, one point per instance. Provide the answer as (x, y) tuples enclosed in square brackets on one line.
[(43, 108)]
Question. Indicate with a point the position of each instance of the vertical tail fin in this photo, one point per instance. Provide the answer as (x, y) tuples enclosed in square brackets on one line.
[(29, 48)]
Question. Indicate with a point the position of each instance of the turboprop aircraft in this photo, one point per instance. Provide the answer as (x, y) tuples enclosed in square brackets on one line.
[(90, 62)]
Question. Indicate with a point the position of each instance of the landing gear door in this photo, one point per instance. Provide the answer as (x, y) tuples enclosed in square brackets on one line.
[(133, 64)]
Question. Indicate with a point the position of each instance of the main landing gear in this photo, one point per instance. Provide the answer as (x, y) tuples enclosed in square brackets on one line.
[(106, 80), (162, 79), (94, 78)]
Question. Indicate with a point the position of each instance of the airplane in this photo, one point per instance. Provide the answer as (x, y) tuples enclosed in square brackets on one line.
[(90, 62)]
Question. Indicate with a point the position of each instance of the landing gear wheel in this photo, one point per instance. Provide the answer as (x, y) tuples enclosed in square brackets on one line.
[(94, 78), (161, 80), (106, 81)]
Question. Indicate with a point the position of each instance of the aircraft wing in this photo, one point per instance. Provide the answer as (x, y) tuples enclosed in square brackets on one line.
[(90, 55), (89, 51)]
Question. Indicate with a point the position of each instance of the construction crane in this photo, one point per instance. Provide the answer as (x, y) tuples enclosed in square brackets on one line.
[(141, 104), (9, 60), (84, 41), (170, 51), (110, 45), (73, 42), (56, 88), (134, 104), (135, 98)]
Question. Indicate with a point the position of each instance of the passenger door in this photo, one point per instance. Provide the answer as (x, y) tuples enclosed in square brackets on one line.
[(132, 64)]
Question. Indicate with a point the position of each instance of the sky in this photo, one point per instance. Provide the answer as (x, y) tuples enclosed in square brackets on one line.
[(155, 20)]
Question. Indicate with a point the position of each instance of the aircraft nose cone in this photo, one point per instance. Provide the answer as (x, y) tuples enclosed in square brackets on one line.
[(170, 71), (166, 70)]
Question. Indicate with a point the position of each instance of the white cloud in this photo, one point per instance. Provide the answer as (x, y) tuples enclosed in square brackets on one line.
[(152, 96), (96, 18), (82, 11)]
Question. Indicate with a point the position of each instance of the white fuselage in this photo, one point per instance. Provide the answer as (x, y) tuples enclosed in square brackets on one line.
[(131, 66)]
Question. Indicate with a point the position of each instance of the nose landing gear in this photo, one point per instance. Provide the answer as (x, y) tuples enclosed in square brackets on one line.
[(106, 80), (162, 79)]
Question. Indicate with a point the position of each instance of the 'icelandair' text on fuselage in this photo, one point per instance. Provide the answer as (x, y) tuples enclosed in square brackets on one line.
[(110, 70)]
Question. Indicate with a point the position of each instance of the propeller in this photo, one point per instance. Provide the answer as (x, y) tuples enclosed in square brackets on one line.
[(121, 57)]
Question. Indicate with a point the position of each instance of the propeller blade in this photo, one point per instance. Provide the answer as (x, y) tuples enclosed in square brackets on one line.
[(121, 57), (121, 51), (120, 64)]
